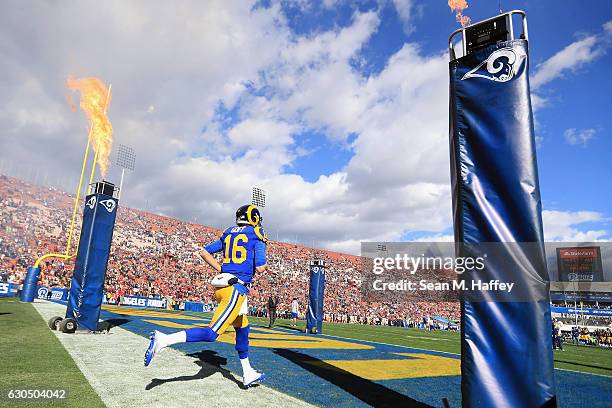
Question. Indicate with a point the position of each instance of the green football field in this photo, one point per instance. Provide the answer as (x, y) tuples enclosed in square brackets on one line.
[(33, 358)]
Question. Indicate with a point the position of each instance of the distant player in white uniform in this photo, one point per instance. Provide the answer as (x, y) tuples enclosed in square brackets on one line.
[(295, 309)]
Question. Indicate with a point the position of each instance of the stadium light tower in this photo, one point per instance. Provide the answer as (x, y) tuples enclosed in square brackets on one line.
[(259, 197), (126, 159)]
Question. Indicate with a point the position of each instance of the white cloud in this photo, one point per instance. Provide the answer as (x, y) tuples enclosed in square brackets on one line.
[(579, 136), (562, 226), (328, 4), (573, 57), (608, 27), (256, 132), (404, 9), (570, 59), (437, 238)]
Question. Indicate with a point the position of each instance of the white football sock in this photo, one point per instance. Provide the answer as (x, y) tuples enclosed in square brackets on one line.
[(246, 366), (174, 338)]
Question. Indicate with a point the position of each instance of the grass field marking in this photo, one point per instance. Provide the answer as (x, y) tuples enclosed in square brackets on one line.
[(377, 342), (425, 338), (583, 372), (128, 311), (174, 379), (418, 365), (174, 325)]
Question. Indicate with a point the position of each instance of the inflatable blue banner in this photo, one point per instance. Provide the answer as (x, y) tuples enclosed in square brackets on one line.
[(90, 268), (8, 289), (314, 314), (140, 301), (506, 350), (28, 293)]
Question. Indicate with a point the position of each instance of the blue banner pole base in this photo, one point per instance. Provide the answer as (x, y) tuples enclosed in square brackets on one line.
[(28, 293)]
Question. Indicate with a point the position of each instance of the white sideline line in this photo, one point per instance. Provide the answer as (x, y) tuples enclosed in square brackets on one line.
[(583, 372), (113, 365)]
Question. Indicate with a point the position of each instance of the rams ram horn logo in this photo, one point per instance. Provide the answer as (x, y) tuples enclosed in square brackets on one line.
[(501, 66), (91, 203), (42, 292), (109, 205)]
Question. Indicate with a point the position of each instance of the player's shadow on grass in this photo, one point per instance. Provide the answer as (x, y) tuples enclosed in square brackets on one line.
[(371, 393), (210, 364)]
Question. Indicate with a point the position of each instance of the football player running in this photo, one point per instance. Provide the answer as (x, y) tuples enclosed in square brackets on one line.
[(244, 253)]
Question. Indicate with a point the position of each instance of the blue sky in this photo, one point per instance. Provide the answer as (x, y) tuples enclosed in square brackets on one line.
[(572, 177), (337, 109)]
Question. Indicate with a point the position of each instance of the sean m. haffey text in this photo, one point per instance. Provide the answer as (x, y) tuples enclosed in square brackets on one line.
[(403, 263)]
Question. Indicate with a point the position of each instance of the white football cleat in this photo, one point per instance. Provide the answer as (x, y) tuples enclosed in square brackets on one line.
[(154, 347), (253, 377)]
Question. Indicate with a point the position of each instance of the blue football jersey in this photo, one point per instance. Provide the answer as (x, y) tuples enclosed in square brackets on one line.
[(244, 248)]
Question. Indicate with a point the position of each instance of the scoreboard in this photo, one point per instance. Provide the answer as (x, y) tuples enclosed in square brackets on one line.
[(580, 264)]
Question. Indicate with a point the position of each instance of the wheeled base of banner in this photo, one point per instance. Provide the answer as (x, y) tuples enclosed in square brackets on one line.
[(69, 325), (65, 325)]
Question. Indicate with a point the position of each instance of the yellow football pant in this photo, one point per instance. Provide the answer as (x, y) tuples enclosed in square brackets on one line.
[(230, 302)]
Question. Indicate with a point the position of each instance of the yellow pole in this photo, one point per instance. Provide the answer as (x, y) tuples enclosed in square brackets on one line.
[(39, 260), (76, 200), (93, 168)]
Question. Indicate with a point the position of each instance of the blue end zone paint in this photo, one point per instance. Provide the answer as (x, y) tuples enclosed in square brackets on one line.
[(291, 370)]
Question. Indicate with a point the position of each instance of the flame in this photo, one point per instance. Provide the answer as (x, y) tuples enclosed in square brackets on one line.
[(458, 6), (95, 98)]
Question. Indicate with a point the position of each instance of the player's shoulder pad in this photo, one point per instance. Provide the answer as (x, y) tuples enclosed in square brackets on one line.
[(261, 234)]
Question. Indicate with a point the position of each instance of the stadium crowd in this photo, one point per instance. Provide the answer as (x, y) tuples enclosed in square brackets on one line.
[(155, 256)]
